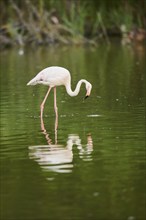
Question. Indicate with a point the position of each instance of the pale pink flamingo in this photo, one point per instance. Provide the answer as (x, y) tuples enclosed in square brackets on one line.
[(56, 76)]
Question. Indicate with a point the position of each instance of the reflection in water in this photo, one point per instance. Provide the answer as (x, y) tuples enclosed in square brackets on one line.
[(59, 158)]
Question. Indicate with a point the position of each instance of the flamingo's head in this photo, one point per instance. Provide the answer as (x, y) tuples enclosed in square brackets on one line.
[(88, 89)]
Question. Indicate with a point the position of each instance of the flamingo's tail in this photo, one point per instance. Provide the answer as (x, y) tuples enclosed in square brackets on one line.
[(32, 82)]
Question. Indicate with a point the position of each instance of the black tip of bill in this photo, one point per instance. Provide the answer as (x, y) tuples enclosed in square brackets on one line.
[(86, 97)]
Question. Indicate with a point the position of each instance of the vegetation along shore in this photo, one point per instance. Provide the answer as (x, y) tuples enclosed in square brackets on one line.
[(46, 22)]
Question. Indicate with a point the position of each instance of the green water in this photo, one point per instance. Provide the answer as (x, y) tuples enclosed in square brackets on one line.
[(93, 167)]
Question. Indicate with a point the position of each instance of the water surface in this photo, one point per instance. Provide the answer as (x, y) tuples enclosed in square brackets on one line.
[(93, 166)]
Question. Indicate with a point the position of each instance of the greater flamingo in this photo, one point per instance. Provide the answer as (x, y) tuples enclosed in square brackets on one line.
[(56, 76)]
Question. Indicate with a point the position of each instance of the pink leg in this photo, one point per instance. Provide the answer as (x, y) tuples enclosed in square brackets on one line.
[(55, 109), (43, 103)]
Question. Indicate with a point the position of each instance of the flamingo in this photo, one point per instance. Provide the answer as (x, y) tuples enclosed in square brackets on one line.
[(56, 76)]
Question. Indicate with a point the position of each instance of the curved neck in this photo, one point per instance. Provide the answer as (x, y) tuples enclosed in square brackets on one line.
[(77, 89)]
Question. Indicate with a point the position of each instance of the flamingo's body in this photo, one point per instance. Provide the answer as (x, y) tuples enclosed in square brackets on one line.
[(56, 76), (51, 76)]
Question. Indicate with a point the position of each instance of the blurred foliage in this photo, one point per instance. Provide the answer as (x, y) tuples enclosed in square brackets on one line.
[(68, 21)]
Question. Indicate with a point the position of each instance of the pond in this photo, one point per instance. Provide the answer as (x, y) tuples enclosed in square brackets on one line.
[(93, 165)]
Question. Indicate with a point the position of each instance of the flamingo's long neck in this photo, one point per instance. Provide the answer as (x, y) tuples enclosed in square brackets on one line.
[(77, 89)]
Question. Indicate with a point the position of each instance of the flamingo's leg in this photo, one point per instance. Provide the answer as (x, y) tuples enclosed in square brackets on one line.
[(43, 103), (55, 109)]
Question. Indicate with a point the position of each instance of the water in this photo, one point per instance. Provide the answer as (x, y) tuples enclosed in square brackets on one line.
[(93, 166)]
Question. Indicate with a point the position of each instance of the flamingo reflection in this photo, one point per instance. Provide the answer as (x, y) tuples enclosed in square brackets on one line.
[(59, 158)]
